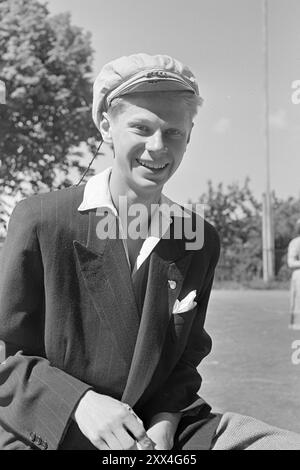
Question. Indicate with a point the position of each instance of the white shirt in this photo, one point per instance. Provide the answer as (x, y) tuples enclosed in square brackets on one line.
[(97, 196)]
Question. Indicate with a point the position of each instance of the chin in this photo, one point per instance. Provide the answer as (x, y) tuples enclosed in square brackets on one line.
[(148, 185)]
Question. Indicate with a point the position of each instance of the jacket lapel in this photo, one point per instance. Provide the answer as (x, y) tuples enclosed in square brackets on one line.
[(106, 274), (157, 311)]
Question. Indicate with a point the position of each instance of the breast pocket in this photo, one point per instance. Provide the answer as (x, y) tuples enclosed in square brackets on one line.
[(181, 324)]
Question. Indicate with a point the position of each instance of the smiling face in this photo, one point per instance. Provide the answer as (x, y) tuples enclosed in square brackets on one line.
[(149, 134)]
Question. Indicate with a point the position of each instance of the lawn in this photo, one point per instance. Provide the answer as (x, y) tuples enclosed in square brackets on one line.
[(250, 368)]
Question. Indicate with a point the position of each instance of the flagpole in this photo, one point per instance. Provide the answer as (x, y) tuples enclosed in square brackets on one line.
[(268, 236)]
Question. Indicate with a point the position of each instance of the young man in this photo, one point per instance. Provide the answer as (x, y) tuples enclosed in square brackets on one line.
[(102, 312)]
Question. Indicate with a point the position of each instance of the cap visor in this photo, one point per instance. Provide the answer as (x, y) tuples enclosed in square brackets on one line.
[(158, 85)]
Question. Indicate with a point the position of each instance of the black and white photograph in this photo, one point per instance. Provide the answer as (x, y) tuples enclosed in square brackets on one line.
[(149, 227)]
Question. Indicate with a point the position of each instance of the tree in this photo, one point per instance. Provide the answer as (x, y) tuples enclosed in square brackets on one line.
[(45, 64), (236, 215)]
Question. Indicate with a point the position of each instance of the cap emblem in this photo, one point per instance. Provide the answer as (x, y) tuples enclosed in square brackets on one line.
[(156, 73)]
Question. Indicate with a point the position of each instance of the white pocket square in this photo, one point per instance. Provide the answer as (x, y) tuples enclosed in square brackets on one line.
[(186, 304)]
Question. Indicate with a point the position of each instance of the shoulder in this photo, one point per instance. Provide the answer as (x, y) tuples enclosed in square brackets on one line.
[(205, 232), (34, 208), (208, 235), (198, 235)]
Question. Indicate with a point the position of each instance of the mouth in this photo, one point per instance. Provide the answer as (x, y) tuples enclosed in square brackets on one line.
[(152, 166)]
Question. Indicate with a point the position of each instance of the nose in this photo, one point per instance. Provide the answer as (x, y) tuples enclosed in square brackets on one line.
[(155, 142)]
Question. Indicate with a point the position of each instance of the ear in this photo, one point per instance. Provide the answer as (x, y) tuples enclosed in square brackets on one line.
[(105, 128), (189, 136)]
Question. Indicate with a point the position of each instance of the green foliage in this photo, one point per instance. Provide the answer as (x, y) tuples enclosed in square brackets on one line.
[(45, 63)]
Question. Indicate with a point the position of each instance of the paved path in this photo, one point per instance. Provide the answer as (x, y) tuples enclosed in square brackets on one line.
[(250, 368)]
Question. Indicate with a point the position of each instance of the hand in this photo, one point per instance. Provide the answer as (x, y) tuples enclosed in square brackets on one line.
[(159, 436), (110, 424), (162, 429)]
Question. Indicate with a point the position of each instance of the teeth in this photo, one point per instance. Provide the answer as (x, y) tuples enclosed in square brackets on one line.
[(152, 165)]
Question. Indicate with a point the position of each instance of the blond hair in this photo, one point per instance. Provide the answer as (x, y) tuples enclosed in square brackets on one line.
[(191, 101)]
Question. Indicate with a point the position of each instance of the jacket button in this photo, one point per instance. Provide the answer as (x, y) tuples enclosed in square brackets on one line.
[(32, 436), (172, 284)]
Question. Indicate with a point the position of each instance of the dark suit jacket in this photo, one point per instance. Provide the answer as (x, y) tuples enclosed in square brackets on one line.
[(73, 319)]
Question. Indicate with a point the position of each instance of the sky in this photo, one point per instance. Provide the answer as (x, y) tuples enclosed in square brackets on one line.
[(222, 42)]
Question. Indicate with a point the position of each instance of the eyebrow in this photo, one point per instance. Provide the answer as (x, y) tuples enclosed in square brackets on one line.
[(142, 120), (138, 119)]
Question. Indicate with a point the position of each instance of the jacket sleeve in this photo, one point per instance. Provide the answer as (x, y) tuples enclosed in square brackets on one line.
[(179, 393), (36, 399)]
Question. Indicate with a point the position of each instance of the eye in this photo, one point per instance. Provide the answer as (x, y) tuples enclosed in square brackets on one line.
[(173, 133), (141, 128)]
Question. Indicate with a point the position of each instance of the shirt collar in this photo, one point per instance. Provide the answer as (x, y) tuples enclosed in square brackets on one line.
[(97, 196)]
